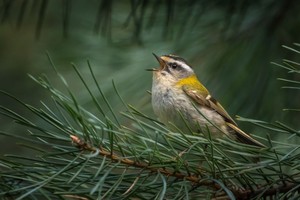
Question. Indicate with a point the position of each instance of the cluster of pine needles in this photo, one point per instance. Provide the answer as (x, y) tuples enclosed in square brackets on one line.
[(102, 153)]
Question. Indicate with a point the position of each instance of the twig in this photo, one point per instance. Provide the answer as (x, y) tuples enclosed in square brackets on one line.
[(239, 193), (85, 146)]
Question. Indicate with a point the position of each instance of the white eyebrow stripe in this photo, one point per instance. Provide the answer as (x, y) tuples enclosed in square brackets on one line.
[(183, 65)]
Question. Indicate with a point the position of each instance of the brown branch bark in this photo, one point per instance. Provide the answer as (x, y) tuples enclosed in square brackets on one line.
[(85, 146), (239, 193)]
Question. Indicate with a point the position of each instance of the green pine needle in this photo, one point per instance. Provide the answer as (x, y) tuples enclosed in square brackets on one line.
[(96, 154)]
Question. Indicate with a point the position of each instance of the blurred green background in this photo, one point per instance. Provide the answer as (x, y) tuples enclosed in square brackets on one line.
[(230, 44)]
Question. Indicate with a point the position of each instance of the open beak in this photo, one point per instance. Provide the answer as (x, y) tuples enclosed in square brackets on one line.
[(161, 63)]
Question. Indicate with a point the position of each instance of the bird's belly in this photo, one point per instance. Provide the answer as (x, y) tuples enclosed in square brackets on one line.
[(176, 110)]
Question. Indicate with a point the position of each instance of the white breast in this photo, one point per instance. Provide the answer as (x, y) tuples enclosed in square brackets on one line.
[(173, 106)]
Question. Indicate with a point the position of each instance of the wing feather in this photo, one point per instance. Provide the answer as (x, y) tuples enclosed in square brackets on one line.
[(205, 99), (244, 137)]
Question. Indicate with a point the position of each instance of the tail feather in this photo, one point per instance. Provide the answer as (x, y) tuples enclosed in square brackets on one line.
[(244, 137)]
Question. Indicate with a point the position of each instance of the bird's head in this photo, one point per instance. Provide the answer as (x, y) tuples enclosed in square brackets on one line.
[(172, 67)]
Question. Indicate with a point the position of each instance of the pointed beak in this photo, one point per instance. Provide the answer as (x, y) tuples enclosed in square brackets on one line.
[(161, 62)]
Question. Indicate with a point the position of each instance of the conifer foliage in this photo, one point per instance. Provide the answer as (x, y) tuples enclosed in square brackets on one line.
[(93, 154)]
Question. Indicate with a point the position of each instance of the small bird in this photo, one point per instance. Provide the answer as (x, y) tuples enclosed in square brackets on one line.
[(180, 100)]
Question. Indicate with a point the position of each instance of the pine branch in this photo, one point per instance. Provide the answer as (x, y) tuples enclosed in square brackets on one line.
[(82, 145), (137, 157), (239, 193)]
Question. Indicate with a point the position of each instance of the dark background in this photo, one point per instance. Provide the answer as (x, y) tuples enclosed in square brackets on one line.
[(230, 44)]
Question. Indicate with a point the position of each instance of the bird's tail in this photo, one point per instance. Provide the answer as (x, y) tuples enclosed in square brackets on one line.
[(244, 137)]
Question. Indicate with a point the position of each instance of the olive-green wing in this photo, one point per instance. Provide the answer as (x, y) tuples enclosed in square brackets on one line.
[(205, 99)]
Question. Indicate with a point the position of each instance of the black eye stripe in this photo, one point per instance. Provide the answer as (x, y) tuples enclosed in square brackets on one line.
[(174, 58), (168, 70)]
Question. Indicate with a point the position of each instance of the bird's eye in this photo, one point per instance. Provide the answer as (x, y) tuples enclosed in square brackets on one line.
[(174, 66)]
